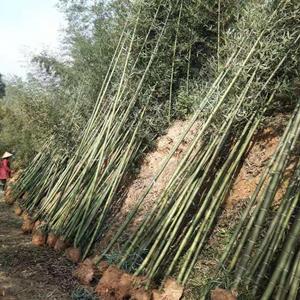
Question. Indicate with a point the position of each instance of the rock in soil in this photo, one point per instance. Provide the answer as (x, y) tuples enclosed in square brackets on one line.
[(220, 294), (86, 272), (73, 254)]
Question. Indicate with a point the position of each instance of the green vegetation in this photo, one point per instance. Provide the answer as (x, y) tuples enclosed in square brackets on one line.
[(132, 68), (62, 91), (201, 182), (82, 294), (134, 114), (2, 87)]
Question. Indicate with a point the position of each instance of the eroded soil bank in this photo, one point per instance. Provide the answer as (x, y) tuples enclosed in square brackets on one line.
[(28, 272)]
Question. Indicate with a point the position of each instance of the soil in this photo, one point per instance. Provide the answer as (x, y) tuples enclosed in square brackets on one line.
[(152, 163), (28, 272), (264, 145), (220, 294), (117, 285)]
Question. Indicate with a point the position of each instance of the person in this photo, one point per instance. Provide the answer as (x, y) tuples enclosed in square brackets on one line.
[(5, 171)]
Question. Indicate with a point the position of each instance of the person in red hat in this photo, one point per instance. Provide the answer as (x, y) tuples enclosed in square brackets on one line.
[(5, 171)]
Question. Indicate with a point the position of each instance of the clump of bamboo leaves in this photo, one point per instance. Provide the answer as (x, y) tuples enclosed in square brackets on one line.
[(173, 234)]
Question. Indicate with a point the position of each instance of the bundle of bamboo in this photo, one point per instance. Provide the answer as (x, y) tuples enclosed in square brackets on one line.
[(175, 231), (75, 196), (250, 256), (37, 180)]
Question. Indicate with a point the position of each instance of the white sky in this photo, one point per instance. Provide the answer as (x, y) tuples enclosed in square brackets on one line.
[(27, 27)]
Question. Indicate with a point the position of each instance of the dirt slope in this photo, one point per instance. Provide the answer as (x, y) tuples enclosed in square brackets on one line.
[(152, 164), (27, 272)]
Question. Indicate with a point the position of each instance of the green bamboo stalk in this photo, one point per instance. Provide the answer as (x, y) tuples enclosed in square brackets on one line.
[(165, 162), (268, 196), (294, 289), (173, 60), (226, 125), (277, 227), (245, 233), (286, 252)]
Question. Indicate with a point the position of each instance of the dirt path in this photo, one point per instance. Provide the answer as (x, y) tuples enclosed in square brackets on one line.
[(28, 272)]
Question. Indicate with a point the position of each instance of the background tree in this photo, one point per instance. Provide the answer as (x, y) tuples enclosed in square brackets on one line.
[(59, 95), (2, 87)]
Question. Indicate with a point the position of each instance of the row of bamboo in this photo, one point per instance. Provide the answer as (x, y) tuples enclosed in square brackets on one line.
[(75, 194)]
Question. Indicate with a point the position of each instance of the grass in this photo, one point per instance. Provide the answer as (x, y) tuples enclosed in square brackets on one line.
[(204, 276), (82, 294)]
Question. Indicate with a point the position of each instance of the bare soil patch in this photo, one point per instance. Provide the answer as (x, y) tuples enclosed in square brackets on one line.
[(28, 272), (152, 164), (264, 145)]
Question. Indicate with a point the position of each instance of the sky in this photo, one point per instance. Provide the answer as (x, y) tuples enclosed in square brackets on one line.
[(27, 27)]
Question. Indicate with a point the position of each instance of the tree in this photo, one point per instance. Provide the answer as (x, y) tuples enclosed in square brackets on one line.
[(2, 87)]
